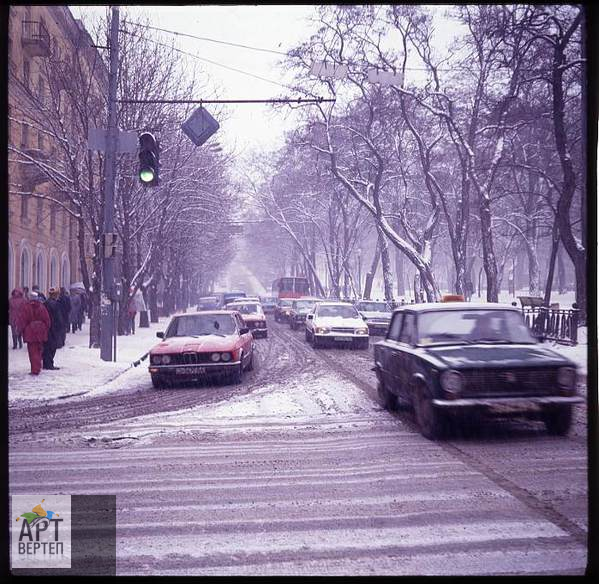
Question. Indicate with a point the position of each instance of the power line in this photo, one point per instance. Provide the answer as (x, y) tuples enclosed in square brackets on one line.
[(215, 62), (209, 39)]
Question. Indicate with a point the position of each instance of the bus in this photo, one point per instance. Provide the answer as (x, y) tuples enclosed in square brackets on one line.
[(290, 287)]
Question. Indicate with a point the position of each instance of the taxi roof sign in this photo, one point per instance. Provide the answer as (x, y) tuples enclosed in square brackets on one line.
[(452, 298)]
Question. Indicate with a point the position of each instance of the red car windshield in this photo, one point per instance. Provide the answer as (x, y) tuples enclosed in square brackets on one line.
[(195, 325)]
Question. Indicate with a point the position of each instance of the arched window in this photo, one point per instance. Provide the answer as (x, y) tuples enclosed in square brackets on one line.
[(40, 271), (25, 268), (11, 268), (53, 271), (66, 273)]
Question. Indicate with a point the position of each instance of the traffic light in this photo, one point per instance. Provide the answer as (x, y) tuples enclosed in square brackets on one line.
[(148, 159)]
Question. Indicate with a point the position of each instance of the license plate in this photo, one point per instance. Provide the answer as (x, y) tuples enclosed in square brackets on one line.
[(190, 370), (505, 409), (343, 339)]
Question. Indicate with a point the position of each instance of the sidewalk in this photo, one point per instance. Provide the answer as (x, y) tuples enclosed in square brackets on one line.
[(81, 369)]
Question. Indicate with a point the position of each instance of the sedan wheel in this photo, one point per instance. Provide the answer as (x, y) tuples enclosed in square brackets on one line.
[(308, 339), (250, 366), (432, 422), (558, 420), (387, 399), (237, 374)]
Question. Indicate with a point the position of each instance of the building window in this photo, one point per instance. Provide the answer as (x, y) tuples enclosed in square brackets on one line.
[(25, 268), (39, 213), (41, 91), (25, 135), (11, 268), (53, 272), (66, 275), (52, 217), (40, 272), (26, 73), (40, 140), (24, 206)]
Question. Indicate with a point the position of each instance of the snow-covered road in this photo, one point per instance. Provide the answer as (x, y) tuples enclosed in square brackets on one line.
[(299, 471)]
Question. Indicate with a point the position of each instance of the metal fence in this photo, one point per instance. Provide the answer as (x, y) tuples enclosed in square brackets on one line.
[(554, 324)]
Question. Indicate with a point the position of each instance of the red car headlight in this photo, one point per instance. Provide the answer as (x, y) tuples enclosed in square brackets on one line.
[(225, 356)]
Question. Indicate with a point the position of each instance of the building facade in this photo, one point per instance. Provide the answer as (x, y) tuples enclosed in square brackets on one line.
[(49, 53)]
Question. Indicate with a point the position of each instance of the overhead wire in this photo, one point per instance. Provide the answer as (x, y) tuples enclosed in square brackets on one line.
[(209, 39), (215, 62)]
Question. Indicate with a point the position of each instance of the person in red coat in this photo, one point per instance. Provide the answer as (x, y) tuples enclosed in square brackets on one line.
[(14, 306), (34, 321)]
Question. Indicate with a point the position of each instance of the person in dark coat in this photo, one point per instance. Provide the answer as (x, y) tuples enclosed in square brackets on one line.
[(57, 328), (75, 314), (34, 321), (65, 303), (14, 306)]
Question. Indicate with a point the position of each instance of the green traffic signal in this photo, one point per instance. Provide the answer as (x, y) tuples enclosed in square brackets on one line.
[(146, 175), (148, 159)]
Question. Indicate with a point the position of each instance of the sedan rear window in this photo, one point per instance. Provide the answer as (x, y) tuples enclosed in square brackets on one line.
[(374, 307), (246, 308), (201, 324), (342, 311), (472, 326)]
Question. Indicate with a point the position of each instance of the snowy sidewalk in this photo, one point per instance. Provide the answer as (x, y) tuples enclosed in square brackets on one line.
[(81, 369)]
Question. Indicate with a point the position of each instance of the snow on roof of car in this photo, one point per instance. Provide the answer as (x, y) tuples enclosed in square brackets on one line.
[(429, 306), (202, 312), (335, 303)]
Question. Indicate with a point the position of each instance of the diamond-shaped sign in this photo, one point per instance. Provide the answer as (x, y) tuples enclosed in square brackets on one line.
[(200, 126)]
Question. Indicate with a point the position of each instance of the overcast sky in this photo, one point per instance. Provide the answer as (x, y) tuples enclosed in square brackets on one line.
[(275, 27)]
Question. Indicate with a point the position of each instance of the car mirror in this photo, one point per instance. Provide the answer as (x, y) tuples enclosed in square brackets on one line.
[(364, 318), (244, 331), (160, 335), (310, 316)]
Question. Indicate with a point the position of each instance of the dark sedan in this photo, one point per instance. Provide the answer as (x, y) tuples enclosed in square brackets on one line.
[(453, 360)]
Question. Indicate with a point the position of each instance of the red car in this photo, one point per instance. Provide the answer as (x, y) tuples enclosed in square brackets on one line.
[(202, 344)]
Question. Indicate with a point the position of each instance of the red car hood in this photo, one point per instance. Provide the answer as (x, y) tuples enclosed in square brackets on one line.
[(185, 344)]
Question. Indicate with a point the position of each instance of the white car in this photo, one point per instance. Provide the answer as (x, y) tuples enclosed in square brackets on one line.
[(337, 322)]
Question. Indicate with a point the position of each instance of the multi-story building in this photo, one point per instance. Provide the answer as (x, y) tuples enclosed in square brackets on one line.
[(50, 56)]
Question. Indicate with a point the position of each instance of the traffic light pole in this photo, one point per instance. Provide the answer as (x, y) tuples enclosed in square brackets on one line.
[(107, 320)]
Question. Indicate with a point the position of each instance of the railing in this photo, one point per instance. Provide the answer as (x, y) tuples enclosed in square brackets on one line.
[(35, 36), (553, 323)]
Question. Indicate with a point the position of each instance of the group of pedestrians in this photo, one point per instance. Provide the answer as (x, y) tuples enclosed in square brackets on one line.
[(43, 322)]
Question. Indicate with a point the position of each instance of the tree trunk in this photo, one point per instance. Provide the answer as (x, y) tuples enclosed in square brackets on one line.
[(561, 271), (386, 266), (373, 267)]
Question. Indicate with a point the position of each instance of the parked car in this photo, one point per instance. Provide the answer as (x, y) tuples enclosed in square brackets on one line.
[(300, 308), (336, 322), (378, 315), (453, 360), (282, 309), (201, 344), (208, 303), (253, 316), (268, 304)]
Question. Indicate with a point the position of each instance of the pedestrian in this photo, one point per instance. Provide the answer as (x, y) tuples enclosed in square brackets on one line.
[(83, 309), (56, 330), (65, 304), (131, 312), (15, 302), (34, 321), (75, 313)]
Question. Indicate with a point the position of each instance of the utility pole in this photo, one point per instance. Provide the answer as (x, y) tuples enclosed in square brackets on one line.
[(107, 297)]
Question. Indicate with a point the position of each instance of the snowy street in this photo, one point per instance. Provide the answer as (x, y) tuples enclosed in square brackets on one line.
[(298, 470)]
